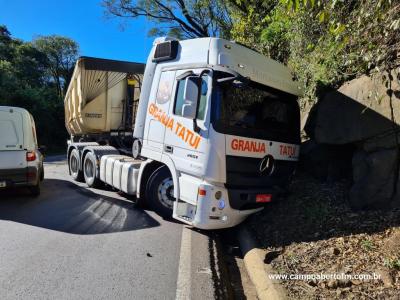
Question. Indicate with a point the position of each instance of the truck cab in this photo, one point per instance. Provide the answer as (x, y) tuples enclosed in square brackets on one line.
[(215, 137), (225, 121)]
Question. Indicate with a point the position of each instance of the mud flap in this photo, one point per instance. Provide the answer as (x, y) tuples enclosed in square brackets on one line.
[(186, 207)]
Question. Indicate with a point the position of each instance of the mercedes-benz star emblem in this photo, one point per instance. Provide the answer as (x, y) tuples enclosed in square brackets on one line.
[(267, 165)]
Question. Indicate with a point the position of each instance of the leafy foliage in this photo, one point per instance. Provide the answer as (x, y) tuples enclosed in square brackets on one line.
[(32, 76), (61, 53), (179, 18), (324, 42)]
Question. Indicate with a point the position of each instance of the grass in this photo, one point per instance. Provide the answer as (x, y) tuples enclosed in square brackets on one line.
[(392, 263), (367, 245)]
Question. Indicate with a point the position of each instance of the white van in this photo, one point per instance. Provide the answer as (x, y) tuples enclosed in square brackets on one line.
[(21, 162)]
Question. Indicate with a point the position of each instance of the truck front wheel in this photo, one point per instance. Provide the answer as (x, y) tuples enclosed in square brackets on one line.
[(73, 163), (160, 192), (89, 170)]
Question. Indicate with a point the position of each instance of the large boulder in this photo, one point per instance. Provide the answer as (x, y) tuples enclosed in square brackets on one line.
[(326, 162), (373, 177), (361, 109), (364, 113)]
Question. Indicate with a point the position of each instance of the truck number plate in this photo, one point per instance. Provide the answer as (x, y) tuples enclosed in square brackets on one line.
[(263, 198), (2, 184)]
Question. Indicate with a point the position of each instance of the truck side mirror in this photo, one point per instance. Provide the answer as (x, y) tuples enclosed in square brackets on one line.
[(191, 96)]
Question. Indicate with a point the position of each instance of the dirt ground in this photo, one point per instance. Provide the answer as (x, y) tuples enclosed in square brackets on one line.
[(314, 231)]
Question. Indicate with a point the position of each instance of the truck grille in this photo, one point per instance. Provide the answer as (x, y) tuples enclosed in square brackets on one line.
[(244, 172)]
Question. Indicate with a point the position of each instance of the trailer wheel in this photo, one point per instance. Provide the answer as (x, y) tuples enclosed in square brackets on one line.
[(160, 192), (73, 163), (89, 170)]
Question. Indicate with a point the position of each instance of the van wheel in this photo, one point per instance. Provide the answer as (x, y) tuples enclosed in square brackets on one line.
[(89, 170), (160, 192), (35, 190), (42, 174), (73, 163)]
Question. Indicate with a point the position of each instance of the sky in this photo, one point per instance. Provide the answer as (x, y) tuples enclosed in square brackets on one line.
[(84, 21)]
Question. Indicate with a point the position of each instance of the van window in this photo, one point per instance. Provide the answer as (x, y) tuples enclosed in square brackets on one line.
[(9, 136), (203, 98)]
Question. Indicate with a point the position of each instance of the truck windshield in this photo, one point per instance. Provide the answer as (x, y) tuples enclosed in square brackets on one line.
[(255, 110)]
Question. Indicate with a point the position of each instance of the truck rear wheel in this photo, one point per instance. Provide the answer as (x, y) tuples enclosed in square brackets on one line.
[(89, 170), (160, 192), (73, 163)]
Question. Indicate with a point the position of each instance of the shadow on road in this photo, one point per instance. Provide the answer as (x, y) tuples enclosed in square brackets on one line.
[(66, 207)]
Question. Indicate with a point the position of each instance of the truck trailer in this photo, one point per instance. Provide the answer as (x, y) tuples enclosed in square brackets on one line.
[(207, 131)]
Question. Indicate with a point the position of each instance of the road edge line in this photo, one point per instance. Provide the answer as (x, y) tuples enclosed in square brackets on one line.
[(258, 271), (183, 283)]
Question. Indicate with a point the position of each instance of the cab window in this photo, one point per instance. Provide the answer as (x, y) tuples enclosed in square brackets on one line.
[(165, 87), (203, 98)]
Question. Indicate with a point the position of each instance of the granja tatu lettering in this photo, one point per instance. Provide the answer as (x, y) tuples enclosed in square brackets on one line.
[(249, 146), (187, 135)]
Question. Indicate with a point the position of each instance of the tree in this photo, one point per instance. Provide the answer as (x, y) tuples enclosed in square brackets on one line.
[(179, 18), (62, 53), (26, 81)]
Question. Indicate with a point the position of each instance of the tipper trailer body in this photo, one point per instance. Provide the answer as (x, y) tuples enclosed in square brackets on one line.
[(207, 130)]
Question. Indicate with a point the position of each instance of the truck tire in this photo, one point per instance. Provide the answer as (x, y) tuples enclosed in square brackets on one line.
[(160, 192), (89, 170), (73, 164)]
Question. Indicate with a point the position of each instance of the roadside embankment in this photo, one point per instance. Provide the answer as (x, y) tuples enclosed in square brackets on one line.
[(315, 231)]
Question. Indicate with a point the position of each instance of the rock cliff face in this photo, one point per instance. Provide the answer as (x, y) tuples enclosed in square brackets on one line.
[(364, 116)]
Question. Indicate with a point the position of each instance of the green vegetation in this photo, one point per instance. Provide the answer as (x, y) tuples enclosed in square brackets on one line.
[(392, 263), (324, 42), (367, 245), (178, 18), (34, 75)]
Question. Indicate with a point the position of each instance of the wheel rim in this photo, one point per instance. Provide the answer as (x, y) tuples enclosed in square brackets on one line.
[(165, 192), (89, 169), (74, 164)]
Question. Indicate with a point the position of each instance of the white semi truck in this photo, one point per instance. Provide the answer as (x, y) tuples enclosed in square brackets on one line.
[(207, 131)]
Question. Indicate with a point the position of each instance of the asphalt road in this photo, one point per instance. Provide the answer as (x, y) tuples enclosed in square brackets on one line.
[(73, 242)]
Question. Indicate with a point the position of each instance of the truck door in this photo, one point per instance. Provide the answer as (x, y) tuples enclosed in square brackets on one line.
[(182, 143), (158, 109)]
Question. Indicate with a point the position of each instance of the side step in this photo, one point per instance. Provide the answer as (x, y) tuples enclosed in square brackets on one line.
[(120, 172)]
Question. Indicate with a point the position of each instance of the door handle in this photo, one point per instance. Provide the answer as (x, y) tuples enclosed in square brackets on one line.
[(168, 149)]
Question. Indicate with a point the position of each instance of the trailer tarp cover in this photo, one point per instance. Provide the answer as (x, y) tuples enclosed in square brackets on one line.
[(102, 95), (101, 64)]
